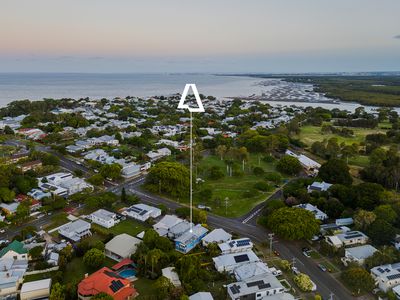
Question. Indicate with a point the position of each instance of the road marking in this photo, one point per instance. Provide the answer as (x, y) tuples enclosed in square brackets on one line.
[(252, 216)]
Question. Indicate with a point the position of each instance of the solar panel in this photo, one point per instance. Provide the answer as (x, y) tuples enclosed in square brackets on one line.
[(255, 283), (235, 289), (143, 212), (242, 243), (380, 270), (264, 286), (394, 276), (241, 258)]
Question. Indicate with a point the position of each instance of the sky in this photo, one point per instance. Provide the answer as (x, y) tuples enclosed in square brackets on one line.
[(225, 36)]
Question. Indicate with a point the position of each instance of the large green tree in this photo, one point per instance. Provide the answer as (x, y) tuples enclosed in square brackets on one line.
[(94, 258), (358, 279), (289, 165), (171, 178), (335, 171), (293, 223)]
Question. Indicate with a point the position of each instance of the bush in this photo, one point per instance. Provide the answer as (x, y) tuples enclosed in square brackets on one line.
[(94, 258), (262, 186), (274, 177), (268, 158), (258, 171), (304, 282), (216, 173)]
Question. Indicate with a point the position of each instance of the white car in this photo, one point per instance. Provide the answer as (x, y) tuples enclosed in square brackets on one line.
[(4, 242), (2, 231), (295, 270)]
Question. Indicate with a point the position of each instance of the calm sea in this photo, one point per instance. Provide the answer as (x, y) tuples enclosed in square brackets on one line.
[(36, 86)]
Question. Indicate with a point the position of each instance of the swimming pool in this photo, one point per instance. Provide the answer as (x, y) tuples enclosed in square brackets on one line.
[(127, 273)]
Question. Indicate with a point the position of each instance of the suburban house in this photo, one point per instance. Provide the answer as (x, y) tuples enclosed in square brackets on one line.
[(319, 215), (106, 281), (30, 165), (358, 254), (75, 230), (259, 287), (18, 156), (9, 208), (38, 194), (104, 218), (229, 262), (63, 184), (142, 212), (38, 289), (167, 222), (318, 187), (15, 250), (179, 229), (234, 246), (190, 239), (12, 272), (249, 270), (171, 274), (201, 296), (310, 165), (121, 246), (396, 291), (216, 236), (155, 155), (348, 238), (386, 276)]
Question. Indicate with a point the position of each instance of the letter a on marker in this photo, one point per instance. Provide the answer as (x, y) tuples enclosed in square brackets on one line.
[(182, 105)]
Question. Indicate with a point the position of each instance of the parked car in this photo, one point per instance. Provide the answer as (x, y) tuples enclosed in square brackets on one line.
[(2, 231), (276, 253), (322, 267), (306, 252), (295, 270)]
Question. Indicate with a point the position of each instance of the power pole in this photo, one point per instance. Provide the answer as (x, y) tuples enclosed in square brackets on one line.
[(226, 205), (331, 296), (271, 238)]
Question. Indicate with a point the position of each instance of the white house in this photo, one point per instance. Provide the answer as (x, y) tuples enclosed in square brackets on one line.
[(142, 212), (12, 272), (386, 276), (229, 262), (257, 288), (234, 246), (167, 222), (319, 215), (104, 218), (171, 274), (308, 164), (75, 230), (348, 238), (318, 187), (38, 289), (121, 246), (250, 270), (15, 250), (155, 155), (201, 296), (358, 254), (216, 236)]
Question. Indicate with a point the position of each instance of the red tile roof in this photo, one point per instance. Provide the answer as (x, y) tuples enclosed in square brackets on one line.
[(103, 281), (122, 263)]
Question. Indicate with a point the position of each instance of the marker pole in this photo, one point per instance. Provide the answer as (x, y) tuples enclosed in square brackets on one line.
[(191, 172)]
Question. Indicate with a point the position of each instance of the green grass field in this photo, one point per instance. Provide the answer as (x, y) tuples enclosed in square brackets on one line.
[(310, 134), (233, 188)]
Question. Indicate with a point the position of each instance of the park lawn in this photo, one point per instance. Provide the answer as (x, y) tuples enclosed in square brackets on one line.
[(310, 134), (233, 188), (57, 220), (359, 161)]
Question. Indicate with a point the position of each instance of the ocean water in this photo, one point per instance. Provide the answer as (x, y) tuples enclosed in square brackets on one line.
[(36, 86)]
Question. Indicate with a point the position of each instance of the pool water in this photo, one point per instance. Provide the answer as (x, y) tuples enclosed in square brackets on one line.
[(127, 273)]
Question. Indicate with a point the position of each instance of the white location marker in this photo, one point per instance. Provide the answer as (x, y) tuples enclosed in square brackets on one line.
[(199, 108)]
